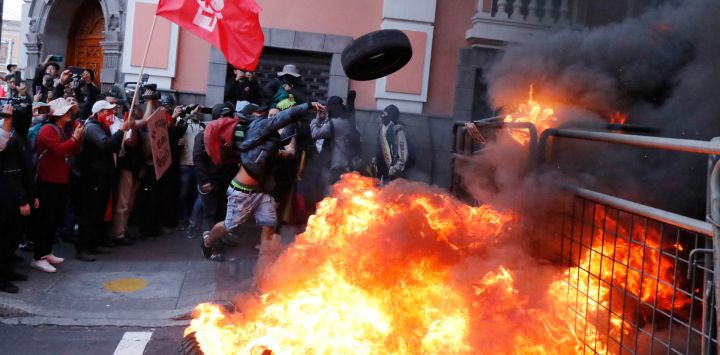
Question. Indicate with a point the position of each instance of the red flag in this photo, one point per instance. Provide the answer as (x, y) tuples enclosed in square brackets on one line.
[(233, 26)]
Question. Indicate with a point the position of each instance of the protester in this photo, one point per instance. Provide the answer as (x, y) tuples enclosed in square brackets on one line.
[(213, 180), (281, 92), (246, 197), (98, 170), (392, 151), (345, 143), (241, 88), (131, 164), (17, 192), (53, 173)]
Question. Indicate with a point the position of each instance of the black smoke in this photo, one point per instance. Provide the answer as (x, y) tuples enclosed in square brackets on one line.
[(661, 68)]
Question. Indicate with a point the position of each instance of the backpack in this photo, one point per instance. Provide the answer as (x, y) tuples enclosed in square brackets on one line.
[(221, 137)]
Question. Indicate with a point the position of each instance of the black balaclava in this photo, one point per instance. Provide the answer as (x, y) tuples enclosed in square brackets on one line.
[(392, 114), (335, 107)]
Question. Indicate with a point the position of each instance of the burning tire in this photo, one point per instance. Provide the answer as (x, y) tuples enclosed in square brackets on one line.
[(376, 54), (190, 346)]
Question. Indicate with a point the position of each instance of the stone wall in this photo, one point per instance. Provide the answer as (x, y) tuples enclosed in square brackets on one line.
[(430, 138)]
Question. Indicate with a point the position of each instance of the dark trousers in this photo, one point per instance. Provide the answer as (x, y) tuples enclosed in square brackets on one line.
[(95, 196), (10, 231), (188, 192), (48, 217), (146, 205)]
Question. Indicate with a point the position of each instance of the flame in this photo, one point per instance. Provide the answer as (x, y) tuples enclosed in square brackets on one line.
[(618, 118), (534, 113), (385, 271)]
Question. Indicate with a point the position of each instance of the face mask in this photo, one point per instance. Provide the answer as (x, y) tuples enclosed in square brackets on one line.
[(385, 118), (106, 118)]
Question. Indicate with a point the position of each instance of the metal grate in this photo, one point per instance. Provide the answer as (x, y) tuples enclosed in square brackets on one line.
[(314, 68), (644, 286)]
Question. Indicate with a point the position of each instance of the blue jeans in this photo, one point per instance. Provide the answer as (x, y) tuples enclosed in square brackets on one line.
[(188, 193)]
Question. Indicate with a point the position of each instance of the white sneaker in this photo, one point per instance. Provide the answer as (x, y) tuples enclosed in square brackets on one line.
[(52, 259), (42, 265)]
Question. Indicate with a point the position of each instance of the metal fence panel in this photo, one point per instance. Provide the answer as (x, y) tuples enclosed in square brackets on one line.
[(644, 285)]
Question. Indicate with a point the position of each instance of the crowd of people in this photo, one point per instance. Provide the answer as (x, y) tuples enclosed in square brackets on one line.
[(76, 166)]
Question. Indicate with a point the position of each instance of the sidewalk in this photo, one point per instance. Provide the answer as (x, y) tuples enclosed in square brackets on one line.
[(152, 283)]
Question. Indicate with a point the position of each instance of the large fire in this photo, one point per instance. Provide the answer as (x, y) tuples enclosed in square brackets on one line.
[(542, 117), (406, 269)]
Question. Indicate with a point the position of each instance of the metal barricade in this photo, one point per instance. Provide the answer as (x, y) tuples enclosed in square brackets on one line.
[(654, 279), (649, 276)]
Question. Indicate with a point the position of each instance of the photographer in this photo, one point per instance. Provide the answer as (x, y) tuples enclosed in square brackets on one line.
[(46, 75), (17, 193), (188, 126)]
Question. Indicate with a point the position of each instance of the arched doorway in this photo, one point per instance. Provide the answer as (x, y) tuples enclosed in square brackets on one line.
[(86, 32)]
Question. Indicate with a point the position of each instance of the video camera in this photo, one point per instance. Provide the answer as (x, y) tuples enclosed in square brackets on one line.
[(144, 86), (18, 103), (186, 110)]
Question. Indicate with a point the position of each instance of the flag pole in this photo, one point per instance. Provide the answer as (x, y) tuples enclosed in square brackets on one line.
[(131, 114)]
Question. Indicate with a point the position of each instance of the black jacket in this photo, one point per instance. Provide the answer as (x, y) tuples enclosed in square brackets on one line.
[(205, 170), (98, 149), (17, 176), (248, 90)]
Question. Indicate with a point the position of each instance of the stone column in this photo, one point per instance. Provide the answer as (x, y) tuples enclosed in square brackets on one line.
[(33, 47), (112, 46)]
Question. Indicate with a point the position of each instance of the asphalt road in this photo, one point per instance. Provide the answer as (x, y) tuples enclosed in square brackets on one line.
[(41, 340)]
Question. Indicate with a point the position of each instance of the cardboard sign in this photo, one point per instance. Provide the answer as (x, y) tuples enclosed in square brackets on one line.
[(159, 142)]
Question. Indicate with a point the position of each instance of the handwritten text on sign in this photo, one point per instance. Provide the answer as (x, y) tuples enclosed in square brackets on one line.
[(159, 142)]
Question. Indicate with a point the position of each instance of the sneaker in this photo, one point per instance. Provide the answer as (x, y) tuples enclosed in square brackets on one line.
[(43, 265), (206, 251), (217, 255), (52, 259), (9, 287)]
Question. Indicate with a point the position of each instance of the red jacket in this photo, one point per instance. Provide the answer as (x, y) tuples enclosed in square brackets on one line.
[(55, 149)]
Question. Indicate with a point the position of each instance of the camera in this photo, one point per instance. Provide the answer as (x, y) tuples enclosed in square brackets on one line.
[(18, 103), (189, 108)]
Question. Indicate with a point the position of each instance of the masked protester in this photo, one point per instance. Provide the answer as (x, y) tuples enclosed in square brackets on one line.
[(54, 148), (241, 88), (344, 139), (17, 193), (246, 195), (392, 152), (282, 92), (98, 171)]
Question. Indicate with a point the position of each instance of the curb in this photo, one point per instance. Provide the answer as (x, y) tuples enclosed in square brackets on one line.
[(15, 312)]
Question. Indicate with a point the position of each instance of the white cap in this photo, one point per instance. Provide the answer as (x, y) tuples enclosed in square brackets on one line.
[(60, 106), (102, 105)]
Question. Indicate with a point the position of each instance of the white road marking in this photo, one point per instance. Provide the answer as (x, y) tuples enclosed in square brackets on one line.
[(133, 343)]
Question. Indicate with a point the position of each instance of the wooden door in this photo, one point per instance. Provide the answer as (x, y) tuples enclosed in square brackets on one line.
[(86, 32)]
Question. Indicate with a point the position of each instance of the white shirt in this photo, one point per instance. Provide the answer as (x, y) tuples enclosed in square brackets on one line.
[(186, 155)]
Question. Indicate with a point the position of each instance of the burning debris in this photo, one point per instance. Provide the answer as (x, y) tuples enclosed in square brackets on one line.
[(407, 269)]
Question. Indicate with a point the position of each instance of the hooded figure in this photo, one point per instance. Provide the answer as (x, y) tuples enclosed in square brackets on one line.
[(392, 152), (345, 142)]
